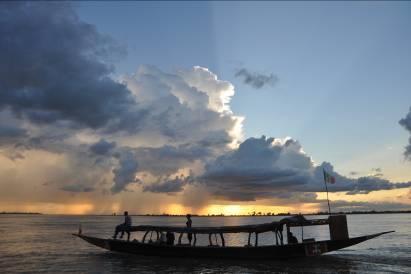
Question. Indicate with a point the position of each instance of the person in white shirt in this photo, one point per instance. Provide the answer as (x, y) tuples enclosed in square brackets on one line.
[(124, 227)]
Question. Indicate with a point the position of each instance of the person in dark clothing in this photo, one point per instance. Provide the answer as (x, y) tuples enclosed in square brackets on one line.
[(188, 224), (124, 227), (170, 238), (292, 239)]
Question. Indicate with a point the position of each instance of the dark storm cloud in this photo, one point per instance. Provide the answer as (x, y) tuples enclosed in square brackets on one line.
[(368, 184), (125, 173), (361, 185), (160, 162), (256, 80), (259, 168), (169, 185), (102, 147), (52, 67), (406, 123), (168, 159), (10, 134), (269, 167)]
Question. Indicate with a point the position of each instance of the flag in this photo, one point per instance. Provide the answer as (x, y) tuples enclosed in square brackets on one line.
[(328, 178)]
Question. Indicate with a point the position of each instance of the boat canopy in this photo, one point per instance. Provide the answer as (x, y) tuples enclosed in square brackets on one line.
[(293, 221)]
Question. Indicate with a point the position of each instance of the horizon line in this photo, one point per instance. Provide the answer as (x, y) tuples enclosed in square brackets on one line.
[(217, 215)]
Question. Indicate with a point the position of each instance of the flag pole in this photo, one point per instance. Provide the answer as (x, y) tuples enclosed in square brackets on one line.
[(326, 188)]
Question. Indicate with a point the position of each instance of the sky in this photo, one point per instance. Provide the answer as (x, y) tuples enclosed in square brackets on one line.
[(204, 107)]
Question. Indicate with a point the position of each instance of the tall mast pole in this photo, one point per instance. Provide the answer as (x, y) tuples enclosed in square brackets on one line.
[(326, 188)]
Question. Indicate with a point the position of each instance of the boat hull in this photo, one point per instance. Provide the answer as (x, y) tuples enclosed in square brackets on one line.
[(237, 252)]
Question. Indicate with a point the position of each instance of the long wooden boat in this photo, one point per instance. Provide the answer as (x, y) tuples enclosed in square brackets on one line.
[(307, 247)]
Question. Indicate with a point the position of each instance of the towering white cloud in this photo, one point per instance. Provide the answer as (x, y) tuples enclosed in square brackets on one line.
[(187, 112), (188, 106)]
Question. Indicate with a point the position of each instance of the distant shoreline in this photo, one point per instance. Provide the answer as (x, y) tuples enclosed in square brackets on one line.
[(22, 213), (269, 215), (218, 215)]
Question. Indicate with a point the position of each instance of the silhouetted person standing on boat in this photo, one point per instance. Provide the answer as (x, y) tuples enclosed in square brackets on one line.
[(188, 224), (124, 227)]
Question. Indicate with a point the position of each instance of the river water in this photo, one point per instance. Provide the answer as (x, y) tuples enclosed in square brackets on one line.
[(43, 243)]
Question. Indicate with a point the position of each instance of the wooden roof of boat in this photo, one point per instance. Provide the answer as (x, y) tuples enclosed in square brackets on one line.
[(257, 228)]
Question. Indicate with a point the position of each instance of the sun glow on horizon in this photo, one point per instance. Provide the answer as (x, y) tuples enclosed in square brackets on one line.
[(235, 209)]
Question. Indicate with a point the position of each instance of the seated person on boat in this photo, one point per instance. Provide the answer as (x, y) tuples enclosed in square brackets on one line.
[(292, 239), (170, 238), (124, 227)]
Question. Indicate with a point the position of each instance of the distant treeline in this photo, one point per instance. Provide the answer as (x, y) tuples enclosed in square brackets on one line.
[(31, 213)]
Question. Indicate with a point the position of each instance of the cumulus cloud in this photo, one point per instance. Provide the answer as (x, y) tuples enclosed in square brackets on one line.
[(256, 80), (188, 115), (270, 167), (219, 92), (406, 123), (55, 79), (187, 106), (259, 168)]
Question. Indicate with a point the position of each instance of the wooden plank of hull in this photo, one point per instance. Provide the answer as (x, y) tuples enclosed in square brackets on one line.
[(248, 252)]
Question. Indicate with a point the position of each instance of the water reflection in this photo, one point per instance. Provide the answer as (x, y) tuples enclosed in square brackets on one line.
[(116, 262)]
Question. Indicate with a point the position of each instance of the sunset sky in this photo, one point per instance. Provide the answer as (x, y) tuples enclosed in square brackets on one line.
[(204, 107)]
